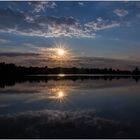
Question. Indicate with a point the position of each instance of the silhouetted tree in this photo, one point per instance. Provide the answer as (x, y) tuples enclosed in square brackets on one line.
[(13, 70), (136, 71)]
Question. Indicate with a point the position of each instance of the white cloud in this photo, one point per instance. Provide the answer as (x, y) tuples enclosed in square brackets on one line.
[(29, 18), (120, 12), (40, 6), (101, 24), (43, 26), (51, 26), (81, 3)]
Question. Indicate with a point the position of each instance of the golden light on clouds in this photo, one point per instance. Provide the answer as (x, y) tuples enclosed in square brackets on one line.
[(61, 75), (60, 94), (58, 52)]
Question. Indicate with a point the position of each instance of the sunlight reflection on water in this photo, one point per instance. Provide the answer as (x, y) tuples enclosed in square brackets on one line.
[(115, 100)]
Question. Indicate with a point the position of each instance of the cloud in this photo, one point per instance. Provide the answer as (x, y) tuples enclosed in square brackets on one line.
[(81, 3), (4, 40), (120, 12), (101, 24), (63, 26), (29, 19), (40, 6), (33, 59), (49, 26)]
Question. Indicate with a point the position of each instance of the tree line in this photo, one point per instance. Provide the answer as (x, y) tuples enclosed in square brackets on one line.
[(14, 70)]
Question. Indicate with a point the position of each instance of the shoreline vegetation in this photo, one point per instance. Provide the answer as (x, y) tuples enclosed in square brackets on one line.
[(14, 70), (11, 74)]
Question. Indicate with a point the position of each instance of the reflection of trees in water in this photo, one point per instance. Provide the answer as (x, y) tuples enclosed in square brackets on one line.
[(11, 81), (60, 87)]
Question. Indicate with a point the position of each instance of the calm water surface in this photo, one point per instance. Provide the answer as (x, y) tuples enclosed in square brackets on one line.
[(65, 108)]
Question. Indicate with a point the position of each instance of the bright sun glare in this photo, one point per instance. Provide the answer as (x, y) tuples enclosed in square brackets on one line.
[(60, 51), (60, 94)]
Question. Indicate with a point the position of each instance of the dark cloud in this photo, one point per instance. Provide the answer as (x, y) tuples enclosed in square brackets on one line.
[(32, 59), (18, 54)]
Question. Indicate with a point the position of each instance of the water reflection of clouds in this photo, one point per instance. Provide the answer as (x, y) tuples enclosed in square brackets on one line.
[(64, 124)]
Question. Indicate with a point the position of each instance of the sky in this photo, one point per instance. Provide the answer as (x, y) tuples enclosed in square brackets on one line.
[(96, 33)]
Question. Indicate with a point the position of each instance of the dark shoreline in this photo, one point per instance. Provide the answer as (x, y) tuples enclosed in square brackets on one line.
[(14, 70)]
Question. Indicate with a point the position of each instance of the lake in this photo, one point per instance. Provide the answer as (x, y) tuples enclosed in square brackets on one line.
[(70, 107)]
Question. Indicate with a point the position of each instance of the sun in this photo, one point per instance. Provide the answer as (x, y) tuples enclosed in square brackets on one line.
[(60, 94), (60, 51)]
